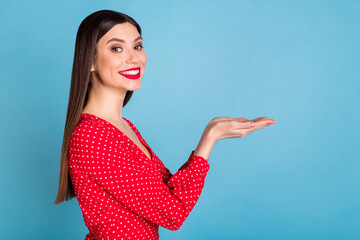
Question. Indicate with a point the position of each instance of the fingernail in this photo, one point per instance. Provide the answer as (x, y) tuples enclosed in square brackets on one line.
[(253, 124)]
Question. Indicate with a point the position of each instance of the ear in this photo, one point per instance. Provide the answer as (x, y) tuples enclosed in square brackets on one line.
[(93, 65)]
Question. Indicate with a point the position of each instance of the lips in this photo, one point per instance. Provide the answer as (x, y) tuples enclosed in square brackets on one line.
[(131, 73)]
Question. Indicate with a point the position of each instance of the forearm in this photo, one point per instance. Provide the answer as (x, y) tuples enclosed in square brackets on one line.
[(205, 145)]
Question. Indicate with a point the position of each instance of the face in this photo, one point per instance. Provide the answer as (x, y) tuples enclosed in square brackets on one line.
[(120, 59)]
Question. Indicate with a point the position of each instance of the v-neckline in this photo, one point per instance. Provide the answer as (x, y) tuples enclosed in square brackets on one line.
[(131, 141)]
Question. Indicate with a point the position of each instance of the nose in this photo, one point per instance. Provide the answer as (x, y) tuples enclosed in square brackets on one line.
[(132, 57)]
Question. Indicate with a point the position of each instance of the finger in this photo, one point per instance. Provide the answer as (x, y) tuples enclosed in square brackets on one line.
[(260, 119), (264, 120), (241, 119), (271, 122), (252, 130), (245, 124), (262, 126), (219, 119), (258, 124), (264, 123)]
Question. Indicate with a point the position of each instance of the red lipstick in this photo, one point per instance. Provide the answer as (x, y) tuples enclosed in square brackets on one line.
[(131, 73)]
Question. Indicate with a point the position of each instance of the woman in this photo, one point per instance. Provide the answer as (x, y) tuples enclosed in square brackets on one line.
[(123, 189)]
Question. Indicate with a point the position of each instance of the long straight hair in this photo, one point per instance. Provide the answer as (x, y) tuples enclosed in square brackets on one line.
[(91, 29)]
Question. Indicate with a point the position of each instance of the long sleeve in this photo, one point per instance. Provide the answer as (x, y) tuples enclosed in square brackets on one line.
[(105, 160)]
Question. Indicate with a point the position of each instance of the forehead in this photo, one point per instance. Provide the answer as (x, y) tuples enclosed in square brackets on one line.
[(125, 31)]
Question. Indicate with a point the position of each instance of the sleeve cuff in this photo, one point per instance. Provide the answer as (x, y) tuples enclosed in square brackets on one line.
[(196, 163)]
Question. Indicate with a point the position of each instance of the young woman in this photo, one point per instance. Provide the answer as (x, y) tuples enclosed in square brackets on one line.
[(123, 189)]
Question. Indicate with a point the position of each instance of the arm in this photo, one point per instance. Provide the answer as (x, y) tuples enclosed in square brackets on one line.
[(138, 185)]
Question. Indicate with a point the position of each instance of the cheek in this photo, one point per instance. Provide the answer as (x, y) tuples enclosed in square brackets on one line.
[(105, 66), (101, 63), (109, 58), (109, 61)]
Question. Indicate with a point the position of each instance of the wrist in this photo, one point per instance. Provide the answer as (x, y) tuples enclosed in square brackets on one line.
[(205, 144)]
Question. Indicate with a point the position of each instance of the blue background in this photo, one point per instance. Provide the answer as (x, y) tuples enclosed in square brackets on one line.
[(297, 62)]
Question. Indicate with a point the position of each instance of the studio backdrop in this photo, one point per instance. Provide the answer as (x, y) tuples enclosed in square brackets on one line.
[(297, 62)]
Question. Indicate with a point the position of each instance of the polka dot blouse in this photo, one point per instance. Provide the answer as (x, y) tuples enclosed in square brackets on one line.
[(121, 192)]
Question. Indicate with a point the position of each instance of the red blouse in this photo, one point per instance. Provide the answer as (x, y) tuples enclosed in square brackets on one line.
[(121, 192)]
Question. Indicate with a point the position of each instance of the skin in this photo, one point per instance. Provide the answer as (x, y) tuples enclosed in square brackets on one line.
[(109, 88)]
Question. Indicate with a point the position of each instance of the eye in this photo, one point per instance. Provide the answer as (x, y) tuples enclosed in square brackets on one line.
[(116, 49), (139, 47)]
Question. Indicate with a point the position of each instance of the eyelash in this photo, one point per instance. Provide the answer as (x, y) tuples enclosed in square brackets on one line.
[(114, 48), (140, 45)]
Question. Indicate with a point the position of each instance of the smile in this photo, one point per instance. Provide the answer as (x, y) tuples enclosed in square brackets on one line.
[(132, 73)]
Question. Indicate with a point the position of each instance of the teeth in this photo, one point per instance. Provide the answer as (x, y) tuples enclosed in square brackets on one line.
[(132, 72)]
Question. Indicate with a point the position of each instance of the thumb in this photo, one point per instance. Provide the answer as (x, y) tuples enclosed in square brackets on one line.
[(242, 119)]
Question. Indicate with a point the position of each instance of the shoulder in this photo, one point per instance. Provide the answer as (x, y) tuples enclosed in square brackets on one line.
[(92, 140), (90, 131), (89, 126)]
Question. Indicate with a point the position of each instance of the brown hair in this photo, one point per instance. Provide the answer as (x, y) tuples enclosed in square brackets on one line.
[(91, 29)]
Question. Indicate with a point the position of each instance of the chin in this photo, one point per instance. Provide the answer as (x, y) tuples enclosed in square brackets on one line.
[(134, 87)]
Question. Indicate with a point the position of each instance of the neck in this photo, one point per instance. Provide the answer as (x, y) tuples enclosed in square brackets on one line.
[(106, 103)]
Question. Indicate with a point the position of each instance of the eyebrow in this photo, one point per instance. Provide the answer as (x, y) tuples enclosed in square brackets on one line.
[(120, 40)]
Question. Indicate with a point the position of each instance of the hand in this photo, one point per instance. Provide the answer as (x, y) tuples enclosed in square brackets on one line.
[(226, 127)]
